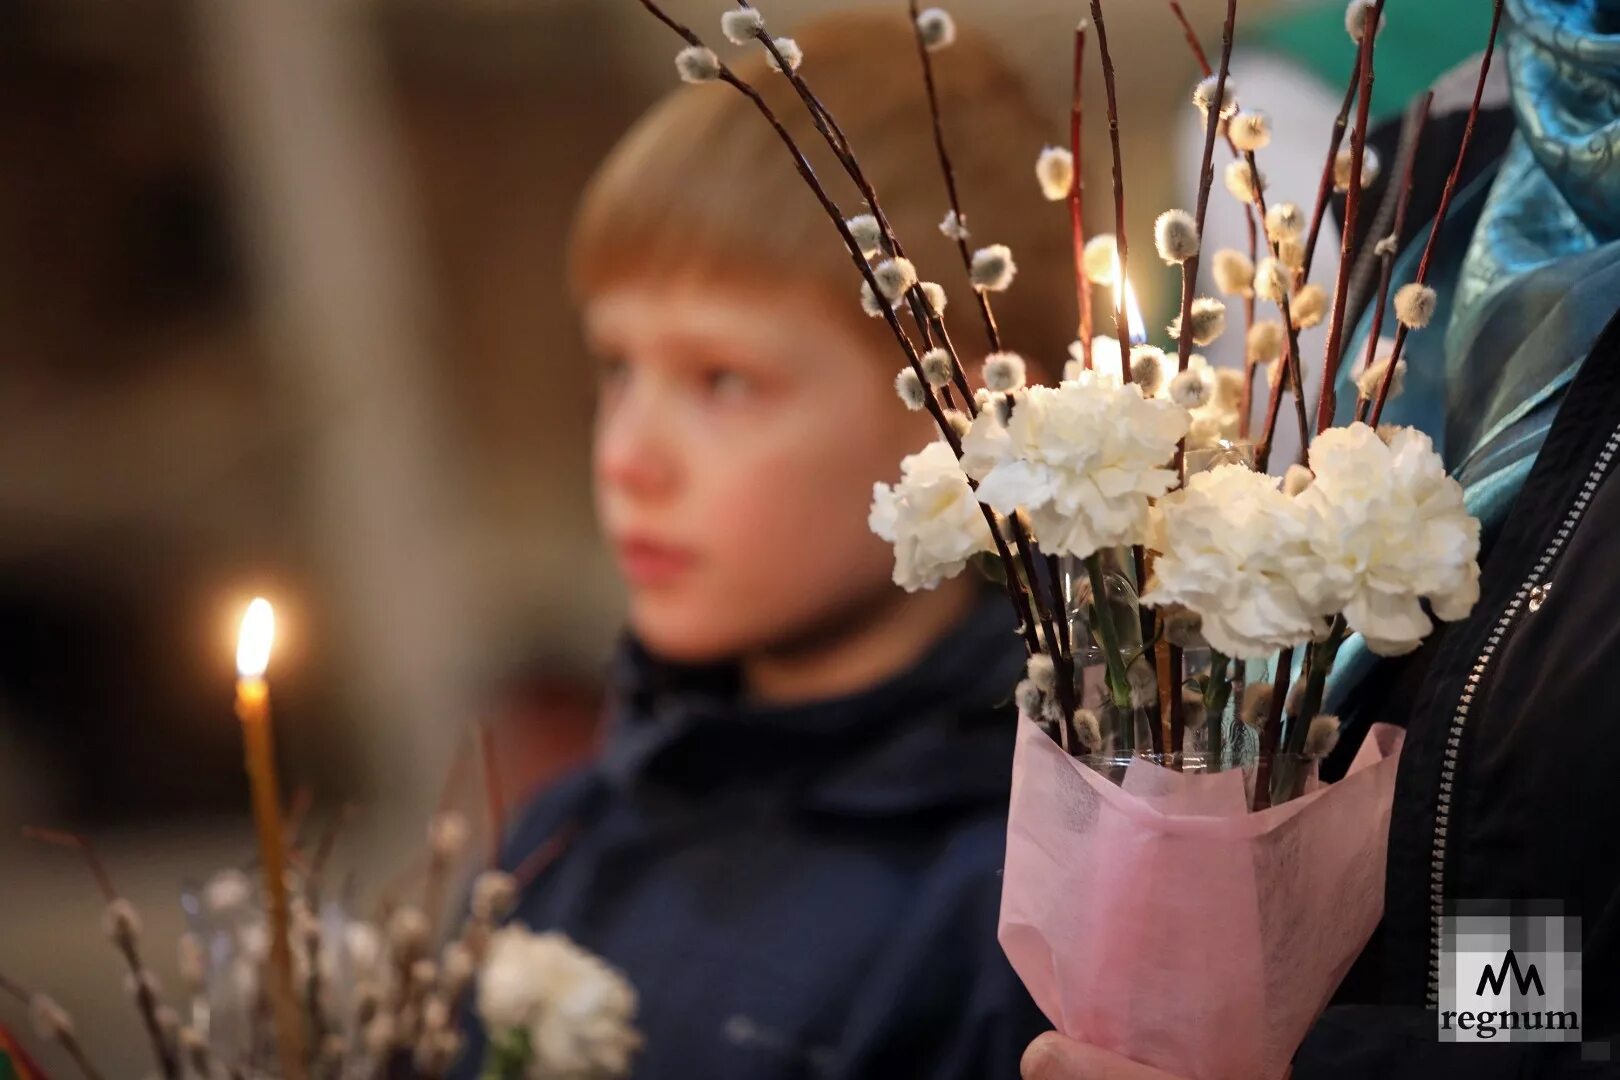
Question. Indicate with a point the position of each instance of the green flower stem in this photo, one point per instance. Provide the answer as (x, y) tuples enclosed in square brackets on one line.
[(1216, 692), (1322, 657), (1119, 685)]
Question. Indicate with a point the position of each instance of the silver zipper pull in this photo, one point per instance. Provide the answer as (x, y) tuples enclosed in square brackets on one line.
[(1538, 596)]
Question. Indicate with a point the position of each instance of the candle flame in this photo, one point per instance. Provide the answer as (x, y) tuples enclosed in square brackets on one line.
[(253, 643), (1135, 325)]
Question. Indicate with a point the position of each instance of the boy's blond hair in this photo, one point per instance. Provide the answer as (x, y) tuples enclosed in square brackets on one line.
[(703, 186)]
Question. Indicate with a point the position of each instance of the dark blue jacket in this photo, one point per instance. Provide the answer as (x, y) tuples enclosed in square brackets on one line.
[(802, 891)]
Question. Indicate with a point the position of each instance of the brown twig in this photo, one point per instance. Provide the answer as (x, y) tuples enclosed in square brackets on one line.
[(1271, 734), (1324, 186), (146, 1002), (1206, 177), (494, 800), (65, 1038), (1246, 406), (1333, 353), (1077, 191), (1386, 261), (1122, 328), (948, 171), (1445, 204)]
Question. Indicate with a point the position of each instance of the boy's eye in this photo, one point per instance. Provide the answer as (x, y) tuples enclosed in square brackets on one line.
[(726, 384), (612, 371)]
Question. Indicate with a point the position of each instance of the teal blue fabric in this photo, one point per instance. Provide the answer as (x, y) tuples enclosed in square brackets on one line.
[(1527, 269)]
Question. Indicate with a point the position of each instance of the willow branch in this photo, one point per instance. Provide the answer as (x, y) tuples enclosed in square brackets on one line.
[(1445, 204)]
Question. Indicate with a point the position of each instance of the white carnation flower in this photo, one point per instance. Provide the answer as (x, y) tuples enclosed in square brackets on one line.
[(1083, 458), (1389, 530), (1231, 548), (931, 518), (576, 1009)]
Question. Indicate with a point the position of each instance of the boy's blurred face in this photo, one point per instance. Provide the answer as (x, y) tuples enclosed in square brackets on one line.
[(739, 431)]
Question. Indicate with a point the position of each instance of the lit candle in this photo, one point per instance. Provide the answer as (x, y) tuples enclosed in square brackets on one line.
[(1135, 326), (253, 708)]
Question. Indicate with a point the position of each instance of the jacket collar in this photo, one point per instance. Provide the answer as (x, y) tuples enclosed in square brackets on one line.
[(937, 734)]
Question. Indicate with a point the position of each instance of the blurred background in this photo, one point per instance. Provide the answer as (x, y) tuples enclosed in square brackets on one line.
[(282, 312)]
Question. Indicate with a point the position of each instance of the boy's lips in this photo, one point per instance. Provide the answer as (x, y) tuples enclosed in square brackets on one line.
[(650, 562)]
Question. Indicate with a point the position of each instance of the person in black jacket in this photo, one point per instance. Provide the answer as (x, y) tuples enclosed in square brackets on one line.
[(1505, 790)]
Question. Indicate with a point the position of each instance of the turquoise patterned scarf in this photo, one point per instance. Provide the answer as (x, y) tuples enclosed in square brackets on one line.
[(1527, 269)]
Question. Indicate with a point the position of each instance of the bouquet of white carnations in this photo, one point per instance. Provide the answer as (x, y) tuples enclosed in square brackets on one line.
[(1179, 885)]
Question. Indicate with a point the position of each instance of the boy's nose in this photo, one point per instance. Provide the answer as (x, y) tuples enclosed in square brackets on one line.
[(631, 453)]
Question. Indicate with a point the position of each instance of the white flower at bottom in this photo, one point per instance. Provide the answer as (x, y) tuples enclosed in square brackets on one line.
[(1083, 457), (576, 1010), (1389, 530), (1231, 548), (931, 518)]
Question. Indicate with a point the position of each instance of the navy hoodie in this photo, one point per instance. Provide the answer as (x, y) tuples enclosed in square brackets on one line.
[(804, 891)]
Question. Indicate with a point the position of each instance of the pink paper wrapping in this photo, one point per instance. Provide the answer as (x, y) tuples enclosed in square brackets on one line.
[(1165, 922)]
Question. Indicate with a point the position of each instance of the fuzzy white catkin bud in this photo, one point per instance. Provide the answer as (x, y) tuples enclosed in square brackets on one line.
[(1256, 705), (1368, 382), (1264, 341), (1089, 729), (1291, 253), (1228, 393), (1243, 182), (1183, 628), (953, 226), (1043, 673), (1147, 368), (894, 277), (1341, 167), (1100, 259), (379, 1035), (697, 64), (1144, 684), (1189, 390), (1322, 736), (937, 367), (456, 967), (1309, 306), (1028, 697), (424, 973), (1054, 169), (1355, 19), (1414, 305), (51, 1021), (867, 233), (741, 24), (1271, 280), (1284, 221), (790, 52), (1233, 272), (1250, 130), (1004, 372), (1296, 479), (1203, 96), (934, 293), (408, 931), (1207, 322), (227, 892), (1175, 234), (121, 922), (937, 28), (870, 302), (1385, 247), (959, 421), (447, 834), (993, 268), (910, 389)]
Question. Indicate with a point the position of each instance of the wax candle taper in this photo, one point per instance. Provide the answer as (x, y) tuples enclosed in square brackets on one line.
[(253, 709)]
